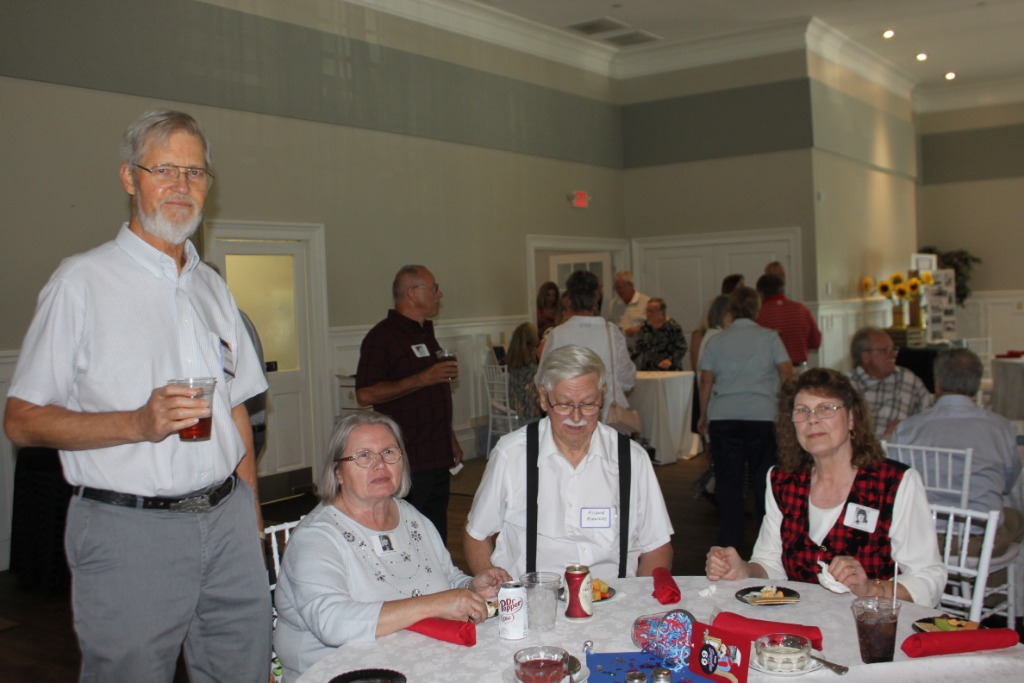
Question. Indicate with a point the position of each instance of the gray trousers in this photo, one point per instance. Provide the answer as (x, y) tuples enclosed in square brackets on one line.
[(147, 582)]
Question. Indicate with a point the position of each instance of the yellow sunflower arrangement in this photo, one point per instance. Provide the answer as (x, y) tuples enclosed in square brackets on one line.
[(897, 287)]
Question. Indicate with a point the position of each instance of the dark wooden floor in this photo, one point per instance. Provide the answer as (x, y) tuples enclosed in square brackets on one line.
[(40, 646)]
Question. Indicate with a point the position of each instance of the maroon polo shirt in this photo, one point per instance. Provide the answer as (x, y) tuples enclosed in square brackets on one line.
[(795, 324), (394, 349)]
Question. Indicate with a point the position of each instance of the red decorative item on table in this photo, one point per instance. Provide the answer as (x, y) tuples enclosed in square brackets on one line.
[(579, 592), (666, 591)]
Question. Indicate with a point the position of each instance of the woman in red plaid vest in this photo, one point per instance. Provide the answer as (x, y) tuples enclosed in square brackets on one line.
[(835, 504)]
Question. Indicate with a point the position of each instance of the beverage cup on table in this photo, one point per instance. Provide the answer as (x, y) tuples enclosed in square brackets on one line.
[(541, 664), (876, 627), (202, 388), (541, 598)]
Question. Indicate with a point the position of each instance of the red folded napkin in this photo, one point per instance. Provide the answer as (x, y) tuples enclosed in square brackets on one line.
[(952, 642), (665, 588), (755, 628), (458, 632)]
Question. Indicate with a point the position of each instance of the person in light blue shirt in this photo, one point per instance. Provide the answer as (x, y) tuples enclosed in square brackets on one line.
[(740, 373), (955, 421)]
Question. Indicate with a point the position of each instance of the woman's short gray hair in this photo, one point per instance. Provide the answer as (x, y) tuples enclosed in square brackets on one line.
[(158, 125), (329, 488), (570, 362)]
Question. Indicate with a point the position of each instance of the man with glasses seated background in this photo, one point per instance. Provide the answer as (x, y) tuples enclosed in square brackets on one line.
[(892, 393), (579, 513)]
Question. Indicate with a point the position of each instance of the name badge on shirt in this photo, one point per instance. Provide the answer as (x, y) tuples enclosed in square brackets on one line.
[(227, 358), (420, 350), (861, 518), (595, 518)]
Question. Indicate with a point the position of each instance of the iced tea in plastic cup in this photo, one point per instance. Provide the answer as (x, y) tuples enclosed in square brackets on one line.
[(203, 388)]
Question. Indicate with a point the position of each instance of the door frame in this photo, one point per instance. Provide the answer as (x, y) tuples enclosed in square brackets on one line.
[(790, 235), (618, 247), (311, 238)]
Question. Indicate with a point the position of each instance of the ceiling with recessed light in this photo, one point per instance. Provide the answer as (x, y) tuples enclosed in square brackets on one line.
[(982, 41)]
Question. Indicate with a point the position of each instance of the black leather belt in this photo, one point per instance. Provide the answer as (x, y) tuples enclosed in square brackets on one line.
[(199, 501)]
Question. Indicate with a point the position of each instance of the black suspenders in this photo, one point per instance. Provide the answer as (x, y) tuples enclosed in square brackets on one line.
[(625, 472)]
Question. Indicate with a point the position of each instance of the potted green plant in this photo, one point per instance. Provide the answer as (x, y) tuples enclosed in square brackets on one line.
[(961, 262)]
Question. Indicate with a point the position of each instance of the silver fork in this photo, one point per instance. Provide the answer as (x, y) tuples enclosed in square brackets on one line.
[(838, 668)]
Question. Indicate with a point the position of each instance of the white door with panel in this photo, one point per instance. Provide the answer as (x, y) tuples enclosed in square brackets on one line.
[(271, 281), (687, 270)]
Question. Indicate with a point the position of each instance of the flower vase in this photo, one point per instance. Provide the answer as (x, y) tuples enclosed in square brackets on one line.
[(898, 321), (916, 317)]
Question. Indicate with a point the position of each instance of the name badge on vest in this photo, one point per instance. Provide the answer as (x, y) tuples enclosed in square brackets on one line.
[(420, 350), (861, 518), (595, 518)]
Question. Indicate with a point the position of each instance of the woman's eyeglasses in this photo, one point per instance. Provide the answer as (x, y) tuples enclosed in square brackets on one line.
[(367, 458), (823, 411)]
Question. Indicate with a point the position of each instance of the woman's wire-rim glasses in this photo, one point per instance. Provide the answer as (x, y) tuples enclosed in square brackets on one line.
[(823, 411), (366, 458)]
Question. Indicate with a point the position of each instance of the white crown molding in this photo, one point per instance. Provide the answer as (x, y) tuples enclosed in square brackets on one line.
[(950, 97), (495, 26), (663, 57), (839, 48)]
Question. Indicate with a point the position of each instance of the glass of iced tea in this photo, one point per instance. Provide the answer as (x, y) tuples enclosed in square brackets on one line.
[(541, 664), (876, 627), (202, 388)]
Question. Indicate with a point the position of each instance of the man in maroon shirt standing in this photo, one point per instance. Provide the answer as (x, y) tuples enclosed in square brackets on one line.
[(793, 321), (400, 375)]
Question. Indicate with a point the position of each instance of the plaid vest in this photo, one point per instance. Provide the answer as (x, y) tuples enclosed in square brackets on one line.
[(875, 487)]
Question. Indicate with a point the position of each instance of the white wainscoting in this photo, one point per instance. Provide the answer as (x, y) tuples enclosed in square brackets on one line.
[(998, 315), (472, 340)]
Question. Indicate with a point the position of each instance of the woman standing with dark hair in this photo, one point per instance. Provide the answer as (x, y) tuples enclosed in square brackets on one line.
[(740, 372), (547, 307), (834, 498)]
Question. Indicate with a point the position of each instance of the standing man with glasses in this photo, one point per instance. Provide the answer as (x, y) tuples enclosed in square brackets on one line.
[(891, 392), (400, 375), (579, 503), (162, 534)]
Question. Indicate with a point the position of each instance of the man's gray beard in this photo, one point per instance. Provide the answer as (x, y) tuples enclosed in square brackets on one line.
[(167, 230)]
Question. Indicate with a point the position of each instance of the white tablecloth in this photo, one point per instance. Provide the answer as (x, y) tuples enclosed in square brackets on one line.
[(1008, 387), (665, 402), (424, 660)]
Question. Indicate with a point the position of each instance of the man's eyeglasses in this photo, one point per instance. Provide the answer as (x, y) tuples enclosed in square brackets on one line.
[(887, 349), (367, 458), (436, 287), (823, 411), (566, 409), (168, 174)]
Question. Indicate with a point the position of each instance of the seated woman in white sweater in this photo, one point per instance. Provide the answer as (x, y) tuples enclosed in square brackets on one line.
[(364, 563)]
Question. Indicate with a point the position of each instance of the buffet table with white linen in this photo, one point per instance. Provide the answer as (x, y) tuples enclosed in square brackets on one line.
[(665, 403), (424, 660)]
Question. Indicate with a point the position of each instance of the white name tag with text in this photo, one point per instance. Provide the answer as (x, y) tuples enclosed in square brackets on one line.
[(595, 518), (861, 518), (420, 350)]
